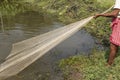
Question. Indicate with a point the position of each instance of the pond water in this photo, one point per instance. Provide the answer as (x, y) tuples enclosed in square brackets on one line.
[(29, 24)]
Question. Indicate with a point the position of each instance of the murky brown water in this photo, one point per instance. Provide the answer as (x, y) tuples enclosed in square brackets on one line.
[(29, 24)]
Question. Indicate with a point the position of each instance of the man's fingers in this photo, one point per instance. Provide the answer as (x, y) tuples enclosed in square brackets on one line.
[(95, 16)]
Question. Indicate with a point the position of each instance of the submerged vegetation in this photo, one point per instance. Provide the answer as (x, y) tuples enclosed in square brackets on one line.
[(91, 67)]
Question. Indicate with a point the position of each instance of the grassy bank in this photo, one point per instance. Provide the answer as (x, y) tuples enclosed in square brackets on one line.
[(91, 67), (70, 11), (66, 10)]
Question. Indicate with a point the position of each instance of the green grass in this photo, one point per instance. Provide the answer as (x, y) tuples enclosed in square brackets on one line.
[(100, 28), (105, 3), (91, 67), (70, 11)]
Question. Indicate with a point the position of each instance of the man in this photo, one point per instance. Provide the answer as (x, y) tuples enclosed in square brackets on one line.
[(115, 36)]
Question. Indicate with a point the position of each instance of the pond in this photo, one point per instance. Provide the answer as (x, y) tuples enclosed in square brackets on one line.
[(29, 24)]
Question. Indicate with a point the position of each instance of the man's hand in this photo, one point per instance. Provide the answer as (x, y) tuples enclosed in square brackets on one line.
[(97, 15)]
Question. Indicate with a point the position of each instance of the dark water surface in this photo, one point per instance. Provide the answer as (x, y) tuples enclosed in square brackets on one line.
[(29, 24)]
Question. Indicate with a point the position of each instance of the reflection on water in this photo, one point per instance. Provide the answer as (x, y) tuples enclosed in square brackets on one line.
[(30, 24), (6, 41)]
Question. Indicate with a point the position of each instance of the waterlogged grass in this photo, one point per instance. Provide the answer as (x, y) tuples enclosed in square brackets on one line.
[(90, 67)]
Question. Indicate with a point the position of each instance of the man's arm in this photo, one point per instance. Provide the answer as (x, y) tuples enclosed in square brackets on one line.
[(114, 13)]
